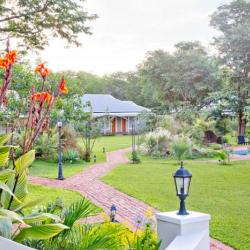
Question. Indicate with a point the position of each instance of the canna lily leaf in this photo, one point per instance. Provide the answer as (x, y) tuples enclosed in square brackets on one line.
[(6, 174), (24, 161), (28, 204), (8, 190), (40, 232), (11, 215), (4, 155), (5, 227), (4, 138), (41, 217)]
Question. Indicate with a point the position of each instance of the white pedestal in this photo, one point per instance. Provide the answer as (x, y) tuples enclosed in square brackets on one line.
[(183, 232)]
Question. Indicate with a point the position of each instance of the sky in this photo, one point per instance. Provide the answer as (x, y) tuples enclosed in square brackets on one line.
[(127, 29)]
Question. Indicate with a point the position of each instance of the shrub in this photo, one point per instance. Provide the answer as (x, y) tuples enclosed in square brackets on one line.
[(181, 147), (70, 155), (224, 156), (157, 141), (47, 145), (215, 146), (135, 158)]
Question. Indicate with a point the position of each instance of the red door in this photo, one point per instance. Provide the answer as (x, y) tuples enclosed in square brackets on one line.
[(113, 125), (124, 126)]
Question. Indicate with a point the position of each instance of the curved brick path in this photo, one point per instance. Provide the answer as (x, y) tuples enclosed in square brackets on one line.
[(89, 185)]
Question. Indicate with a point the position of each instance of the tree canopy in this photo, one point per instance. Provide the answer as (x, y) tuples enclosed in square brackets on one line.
[(32, 22)]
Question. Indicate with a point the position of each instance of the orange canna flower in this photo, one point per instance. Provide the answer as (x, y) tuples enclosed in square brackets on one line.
[(4, 64), (42, 70), (41, 96), (62, 87), (11, 56)]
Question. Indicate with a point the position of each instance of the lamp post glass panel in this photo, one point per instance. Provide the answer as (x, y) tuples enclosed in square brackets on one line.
[(60, 171), (112, 213), (182, 182)]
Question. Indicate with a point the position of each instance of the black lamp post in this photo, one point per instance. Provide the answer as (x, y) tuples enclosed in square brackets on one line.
[(133, 141), (112, 213), (87, 138), (182, 180), (60, 171)]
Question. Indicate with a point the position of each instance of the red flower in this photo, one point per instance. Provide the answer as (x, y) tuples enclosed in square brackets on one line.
[(4, 64), (11, 56), (41, 96), (42, 70), (62, 87)]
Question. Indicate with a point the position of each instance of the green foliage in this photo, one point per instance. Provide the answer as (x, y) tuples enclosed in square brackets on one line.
[(232, 20), (181, 147), (47, 145), (135, 157), (215, 146), (145, 241), (25, 20), (224, 156), (70, 155), (13, 192)]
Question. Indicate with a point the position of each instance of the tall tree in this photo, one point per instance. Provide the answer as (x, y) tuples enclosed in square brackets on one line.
[(181, 79), (233, 21), (34, 21)]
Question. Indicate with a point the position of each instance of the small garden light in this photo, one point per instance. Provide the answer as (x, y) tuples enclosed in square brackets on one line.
[(112, 213), (95, 158), (60, 171), (182, 182)]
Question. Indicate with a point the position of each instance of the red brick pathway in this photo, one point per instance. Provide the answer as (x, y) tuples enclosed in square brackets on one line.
[(89, 185)]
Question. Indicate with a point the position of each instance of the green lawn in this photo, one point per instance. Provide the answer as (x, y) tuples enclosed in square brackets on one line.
[(222, 191), (50, 169), (110, 143), (48, 194)]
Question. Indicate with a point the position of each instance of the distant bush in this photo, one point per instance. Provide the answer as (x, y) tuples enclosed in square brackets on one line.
[(135, 158), (181, 146), (157, 141), (70, 155), (224, 156), (215, 146), (47, 145)]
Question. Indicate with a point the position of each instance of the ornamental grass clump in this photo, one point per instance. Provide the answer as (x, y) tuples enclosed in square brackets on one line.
[(181, 147), (156, 142)]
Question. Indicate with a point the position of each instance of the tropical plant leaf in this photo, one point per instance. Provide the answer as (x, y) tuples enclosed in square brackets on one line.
[(28, 204), (21, 190), (41, 217), (4, 138), (5, 227), (5, 196), (6, 174), (78, 210), (40, 232), (4, 155), (93, 237), (11, 215), (24, 161), (8, 190)]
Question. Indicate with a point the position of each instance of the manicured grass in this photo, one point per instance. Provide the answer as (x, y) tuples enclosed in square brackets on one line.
[(222, 191), (110, 143), (49, 194), (49, 169)]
